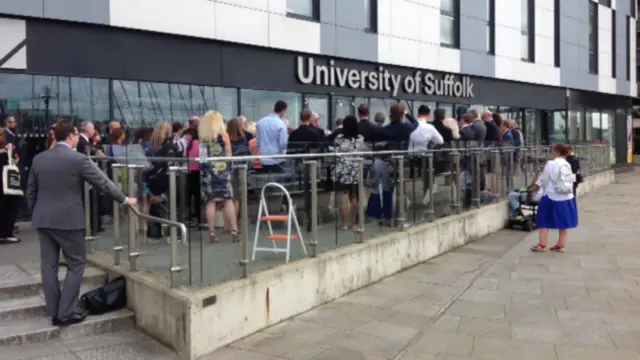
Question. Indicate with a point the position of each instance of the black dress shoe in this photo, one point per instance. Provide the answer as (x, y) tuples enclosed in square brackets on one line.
[(75, 318)]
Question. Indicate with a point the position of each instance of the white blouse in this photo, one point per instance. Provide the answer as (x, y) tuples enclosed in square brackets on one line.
[(550, 176)]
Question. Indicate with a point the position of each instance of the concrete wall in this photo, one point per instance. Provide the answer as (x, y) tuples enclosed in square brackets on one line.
[(408, 33), (180, 319)]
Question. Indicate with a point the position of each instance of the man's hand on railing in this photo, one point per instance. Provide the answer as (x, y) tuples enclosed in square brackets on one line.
[(131, 201)]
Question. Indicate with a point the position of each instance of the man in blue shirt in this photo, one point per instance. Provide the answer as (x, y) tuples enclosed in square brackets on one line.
[(272, 137)]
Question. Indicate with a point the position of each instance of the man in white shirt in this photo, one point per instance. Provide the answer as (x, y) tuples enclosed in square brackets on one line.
[(421, 137), (424, 133)]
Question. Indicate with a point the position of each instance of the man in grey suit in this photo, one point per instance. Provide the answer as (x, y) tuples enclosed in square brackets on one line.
[(478, 126), (54, 195)]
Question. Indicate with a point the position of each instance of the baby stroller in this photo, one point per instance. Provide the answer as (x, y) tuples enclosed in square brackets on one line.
[(525, 215)]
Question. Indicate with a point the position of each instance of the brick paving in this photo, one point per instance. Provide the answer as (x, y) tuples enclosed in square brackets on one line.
[(492, 299)]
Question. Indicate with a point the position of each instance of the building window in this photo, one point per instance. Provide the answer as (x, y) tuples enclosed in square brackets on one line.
[(308, 9), (449, 16), (527, 31), (613, 44), (256, 104), (632, 6), (628, 46), (371, 15), (491, 26), (556, 34), (593, 37), (606, 3)]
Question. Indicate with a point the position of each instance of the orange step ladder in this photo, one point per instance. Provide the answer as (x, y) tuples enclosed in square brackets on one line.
[(291, 220)]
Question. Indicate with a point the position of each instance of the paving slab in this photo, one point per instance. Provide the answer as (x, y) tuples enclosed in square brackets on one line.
[(489, 300)]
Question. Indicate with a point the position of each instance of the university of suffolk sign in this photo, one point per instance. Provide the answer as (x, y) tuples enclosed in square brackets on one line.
[(308, 71)]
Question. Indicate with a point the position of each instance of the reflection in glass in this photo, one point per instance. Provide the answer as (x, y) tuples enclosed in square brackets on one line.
[(319, 104), (448, 109), (575, 127), (447, 30), (594, 129), (607, 127), (380, 106), (531, 129), (257, 104), (300, 7), (342, 106), (557, 124)]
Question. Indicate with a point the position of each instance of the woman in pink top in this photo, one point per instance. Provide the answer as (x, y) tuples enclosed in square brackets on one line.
[(193, 186)]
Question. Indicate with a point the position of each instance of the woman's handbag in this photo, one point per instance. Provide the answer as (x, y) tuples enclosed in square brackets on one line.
[(11, 182)]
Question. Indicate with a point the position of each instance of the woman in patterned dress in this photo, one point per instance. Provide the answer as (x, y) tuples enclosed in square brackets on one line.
[(215, 179)]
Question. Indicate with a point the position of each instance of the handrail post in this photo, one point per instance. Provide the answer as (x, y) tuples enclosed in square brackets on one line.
[(524, 165), (361, 196), (497, 169), (133, 220), (116, 170), (456, 182), (87, 217), (244, 220), (430, 206), (173, 205), (400, 197), (475, 163), (174, 269), (313, 176)]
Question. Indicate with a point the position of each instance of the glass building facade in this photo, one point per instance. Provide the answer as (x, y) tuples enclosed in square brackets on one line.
[(37, 100)]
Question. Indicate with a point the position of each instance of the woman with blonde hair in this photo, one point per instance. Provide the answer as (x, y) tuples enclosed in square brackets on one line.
[(215, 180), (452, 124)]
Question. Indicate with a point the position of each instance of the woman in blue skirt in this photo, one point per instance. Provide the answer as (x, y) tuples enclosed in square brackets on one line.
[(557, 209)]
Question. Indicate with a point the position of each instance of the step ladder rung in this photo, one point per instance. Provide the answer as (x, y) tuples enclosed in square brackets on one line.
[(279, 237), (278, 218)]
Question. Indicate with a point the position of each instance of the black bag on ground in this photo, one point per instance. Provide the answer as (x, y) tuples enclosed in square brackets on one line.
[(109, 297), (155, 230)]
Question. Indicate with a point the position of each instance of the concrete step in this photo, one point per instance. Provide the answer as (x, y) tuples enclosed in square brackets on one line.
[(40, 329), (24, 280), (31, 306)]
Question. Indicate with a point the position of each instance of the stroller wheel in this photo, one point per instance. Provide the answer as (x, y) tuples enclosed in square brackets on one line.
[(529, 226)]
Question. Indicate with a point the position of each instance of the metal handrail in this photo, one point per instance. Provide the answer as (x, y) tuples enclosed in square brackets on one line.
[(174, 267), (333, 154)]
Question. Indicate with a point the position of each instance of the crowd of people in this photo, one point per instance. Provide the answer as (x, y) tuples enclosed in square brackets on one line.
[(216, 183)]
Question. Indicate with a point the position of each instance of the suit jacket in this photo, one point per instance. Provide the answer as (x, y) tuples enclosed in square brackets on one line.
[(369, 130), (56, 186), (83, 147), (480, 129)]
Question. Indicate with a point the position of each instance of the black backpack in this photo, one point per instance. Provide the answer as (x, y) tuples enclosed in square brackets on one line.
[(110, 297)]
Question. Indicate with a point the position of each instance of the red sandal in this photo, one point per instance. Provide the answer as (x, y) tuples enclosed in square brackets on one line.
[(539, 248), (557, 248)]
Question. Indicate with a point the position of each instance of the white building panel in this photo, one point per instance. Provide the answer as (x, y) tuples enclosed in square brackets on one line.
[(228, 29), (192, 18), (293, 34)]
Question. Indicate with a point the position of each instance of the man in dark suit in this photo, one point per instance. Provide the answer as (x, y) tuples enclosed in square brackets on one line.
[(54, 195), (368, 130)]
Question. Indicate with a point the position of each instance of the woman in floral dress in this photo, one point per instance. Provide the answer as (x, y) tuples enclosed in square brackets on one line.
[(215, 179), (346, 170)]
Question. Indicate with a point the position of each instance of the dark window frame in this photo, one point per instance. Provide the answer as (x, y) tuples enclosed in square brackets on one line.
[(556, 34), (455, 15), (628, 46), (633, 7), (614, 44), (315, 12), (491, 24), (530, 32), (372, 26), (593, 39)]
